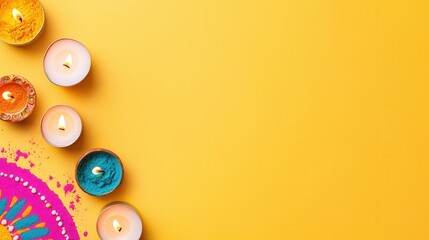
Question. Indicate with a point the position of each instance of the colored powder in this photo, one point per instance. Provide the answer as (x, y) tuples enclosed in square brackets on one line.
[(68, 188), (16, 98), (20, 154), (23, 27), (72, 200), (4, 231), (71, 205), (99, 184), (30, 216)]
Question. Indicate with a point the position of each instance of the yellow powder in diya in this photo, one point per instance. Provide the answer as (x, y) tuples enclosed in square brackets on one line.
[(20, 20)]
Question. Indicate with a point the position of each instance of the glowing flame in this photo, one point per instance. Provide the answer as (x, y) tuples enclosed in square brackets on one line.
[(116, 226), (17, 15), (7, 96), (97, 171), (62, 123), (68, 62)]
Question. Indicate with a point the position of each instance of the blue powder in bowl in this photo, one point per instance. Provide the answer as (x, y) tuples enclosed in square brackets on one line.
[(99, 184)]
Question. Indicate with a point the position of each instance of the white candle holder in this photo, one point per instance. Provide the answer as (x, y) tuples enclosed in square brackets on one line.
[(119, 221), (26, 93), (61, 126), (66, 62)]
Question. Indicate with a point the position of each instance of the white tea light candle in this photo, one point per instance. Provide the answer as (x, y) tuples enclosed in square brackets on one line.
[(119, 221), (61, 126), (67, 62)]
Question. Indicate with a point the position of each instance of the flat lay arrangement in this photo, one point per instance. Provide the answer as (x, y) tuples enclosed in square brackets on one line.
[(214, 120), (66, 63)]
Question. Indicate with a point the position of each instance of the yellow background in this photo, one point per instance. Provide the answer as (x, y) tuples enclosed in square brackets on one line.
[(246, 119)]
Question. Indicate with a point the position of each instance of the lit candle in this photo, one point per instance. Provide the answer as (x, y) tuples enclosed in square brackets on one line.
[(99, 172), (18, 98), (119, 221), (67, 62), (21, 21), (61, 126)]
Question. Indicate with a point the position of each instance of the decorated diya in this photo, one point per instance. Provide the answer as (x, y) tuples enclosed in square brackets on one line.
[(17, 98), (29, 209), (21, 21)]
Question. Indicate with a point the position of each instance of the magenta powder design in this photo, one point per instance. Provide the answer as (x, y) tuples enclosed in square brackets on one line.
[(29, 209)]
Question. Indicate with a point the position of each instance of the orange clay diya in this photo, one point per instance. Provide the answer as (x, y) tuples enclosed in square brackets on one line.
[(17, 98)]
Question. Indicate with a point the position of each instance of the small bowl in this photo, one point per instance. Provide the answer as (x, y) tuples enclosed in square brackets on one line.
[(39, 33), (88, 156), (31, 98)]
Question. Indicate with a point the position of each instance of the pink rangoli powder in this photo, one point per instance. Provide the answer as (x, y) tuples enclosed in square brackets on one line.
[(68, 188), (21, 154), (19, 186)]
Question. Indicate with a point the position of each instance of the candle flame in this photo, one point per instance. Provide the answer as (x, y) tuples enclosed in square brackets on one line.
[(7, 95), (17, 15), (97, 170), (116, 226), (62, 123), (68, 62)]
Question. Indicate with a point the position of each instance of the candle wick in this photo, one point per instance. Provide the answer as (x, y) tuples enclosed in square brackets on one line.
[(116, 226), (68, 62)]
